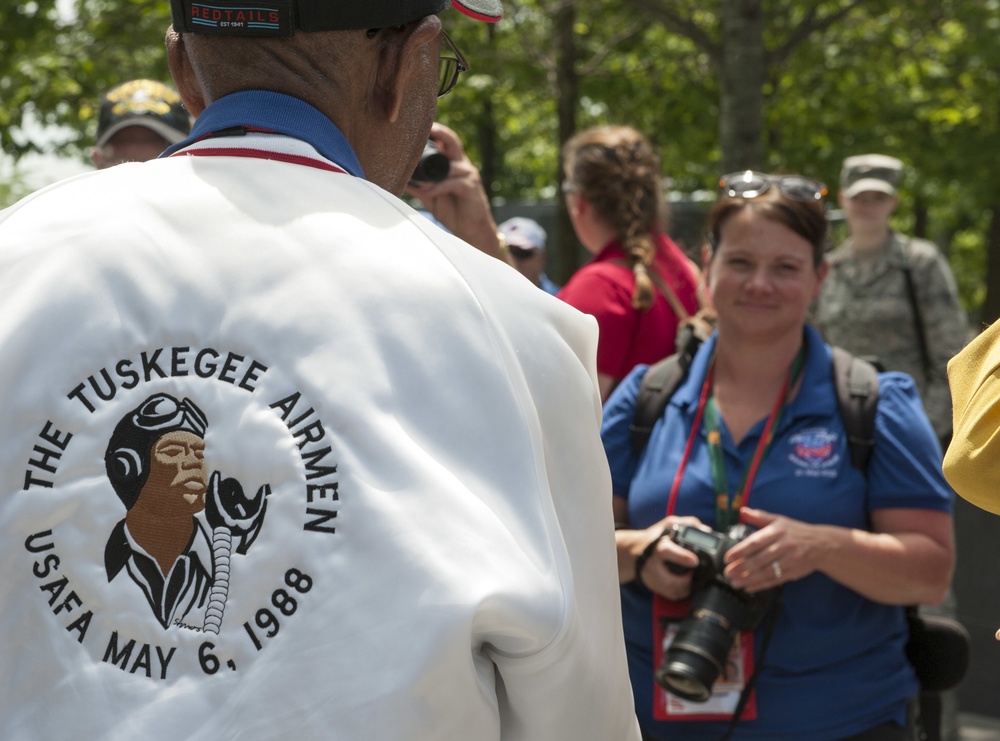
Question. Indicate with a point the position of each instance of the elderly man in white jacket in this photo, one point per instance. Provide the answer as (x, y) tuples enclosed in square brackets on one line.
[(282, 459)]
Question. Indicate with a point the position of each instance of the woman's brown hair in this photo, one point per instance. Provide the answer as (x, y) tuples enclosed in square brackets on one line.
[(617, 171), (805, 218)]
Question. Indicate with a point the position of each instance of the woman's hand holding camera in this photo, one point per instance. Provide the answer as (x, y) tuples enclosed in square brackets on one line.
[(781, 550), (661, 565)]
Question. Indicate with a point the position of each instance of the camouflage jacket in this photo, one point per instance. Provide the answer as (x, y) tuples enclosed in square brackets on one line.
[(864, 308)]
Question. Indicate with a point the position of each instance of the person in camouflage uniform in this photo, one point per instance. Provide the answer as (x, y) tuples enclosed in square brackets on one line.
[(865, 305)]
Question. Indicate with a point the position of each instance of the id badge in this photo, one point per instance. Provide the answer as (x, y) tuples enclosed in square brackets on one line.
[(727, 688)]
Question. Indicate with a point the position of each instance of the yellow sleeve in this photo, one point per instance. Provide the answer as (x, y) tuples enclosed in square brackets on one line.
[(972, 461)]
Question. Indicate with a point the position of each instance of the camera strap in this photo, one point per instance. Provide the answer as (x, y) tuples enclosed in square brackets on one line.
[(772, 620)]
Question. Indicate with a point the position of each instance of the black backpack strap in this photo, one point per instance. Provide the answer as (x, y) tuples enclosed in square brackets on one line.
[(658, 385), (856, 383), (918, 315)]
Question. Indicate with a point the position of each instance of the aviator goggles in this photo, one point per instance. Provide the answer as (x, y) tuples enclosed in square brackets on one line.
[(751, 184)]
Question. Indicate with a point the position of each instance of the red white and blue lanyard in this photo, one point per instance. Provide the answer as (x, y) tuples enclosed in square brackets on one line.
[(243, 124), (727, 504)]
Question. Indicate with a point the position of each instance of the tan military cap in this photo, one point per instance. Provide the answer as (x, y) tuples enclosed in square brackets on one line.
[(870, 172)]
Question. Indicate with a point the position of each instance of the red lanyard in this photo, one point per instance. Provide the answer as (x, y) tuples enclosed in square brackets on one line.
[(705, 389), (724, 511)]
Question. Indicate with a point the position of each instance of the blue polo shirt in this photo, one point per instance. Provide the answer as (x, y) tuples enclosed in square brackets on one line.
[(835, 665)]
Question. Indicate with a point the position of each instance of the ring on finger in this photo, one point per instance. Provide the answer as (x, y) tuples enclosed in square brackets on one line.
[(776, 568)]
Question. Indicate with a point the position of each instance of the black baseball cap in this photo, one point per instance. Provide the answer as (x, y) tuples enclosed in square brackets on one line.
[(284, 17), (145, 103)]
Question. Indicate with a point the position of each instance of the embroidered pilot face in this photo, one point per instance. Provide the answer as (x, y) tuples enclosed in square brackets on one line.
[(159, 419), (178, 477)]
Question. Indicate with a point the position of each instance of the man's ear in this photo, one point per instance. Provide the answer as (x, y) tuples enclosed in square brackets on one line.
[(400, 64), (184, 74)]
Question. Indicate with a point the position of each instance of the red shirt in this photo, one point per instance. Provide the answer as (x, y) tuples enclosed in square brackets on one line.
[(628, 337)]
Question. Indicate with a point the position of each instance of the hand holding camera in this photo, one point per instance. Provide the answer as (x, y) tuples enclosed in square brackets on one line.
[(457, 198), (661, 565)]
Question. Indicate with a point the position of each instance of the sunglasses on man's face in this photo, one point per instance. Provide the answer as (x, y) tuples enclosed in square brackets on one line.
[(520, 253), (751, 184), (450, 66)]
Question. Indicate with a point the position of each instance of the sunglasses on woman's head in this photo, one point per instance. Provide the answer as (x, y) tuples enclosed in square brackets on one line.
[(750, 184)]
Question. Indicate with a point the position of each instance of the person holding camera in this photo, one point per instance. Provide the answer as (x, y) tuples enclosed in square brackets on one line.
[(764, 576)]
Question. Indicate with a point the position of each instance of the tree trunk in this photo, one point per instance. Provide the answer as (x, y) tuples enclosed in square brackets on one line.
[(487, 132), (919, 217), (562, 259), (742, 78)]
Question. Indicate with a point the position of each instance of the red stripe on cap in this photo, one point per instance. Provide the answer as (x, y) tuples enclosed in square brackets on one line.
[(474, 14)]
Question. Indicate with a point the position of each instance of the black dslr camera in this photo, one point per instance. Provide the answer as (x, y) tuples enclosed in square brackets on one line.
[(433, 166), (700, 649)]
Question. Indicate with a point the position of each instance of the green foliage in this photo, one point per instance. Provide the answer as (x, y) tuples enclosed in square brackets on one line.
[(12, 185), (968, 261), (919, 80), (507, 92), (55, 65)]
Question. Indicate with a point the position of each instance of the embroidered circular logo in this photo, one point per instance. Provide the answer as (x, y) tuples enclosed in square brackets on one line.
[(170, 493), (814, 451)]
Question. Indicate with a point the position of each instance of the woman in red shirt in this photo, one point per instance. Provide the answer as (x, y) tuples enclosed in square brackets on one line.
[(639, 284)]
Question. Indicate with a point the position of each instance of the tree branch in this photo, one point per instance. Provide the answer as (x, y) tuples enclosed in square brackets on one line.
[(810, 24), (665, 12), (595, 62)]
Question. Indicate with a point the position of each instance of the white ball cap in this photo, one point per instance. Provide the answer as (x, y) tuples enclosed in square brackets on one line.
[(524, 233)]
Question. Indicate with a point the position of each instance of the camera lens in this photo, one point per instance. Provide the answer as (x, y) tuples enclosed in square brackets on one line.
[(433, 166), (699, 651)]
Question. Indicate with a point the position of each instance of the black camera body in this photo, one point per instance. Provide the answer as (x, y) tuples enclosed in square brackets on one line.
[(700, 649), (433, 166)]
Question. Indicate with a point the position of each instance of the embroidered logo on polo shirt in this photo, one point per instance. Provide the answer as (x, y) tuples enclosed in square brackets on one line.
[(814, 452), (169, 494)]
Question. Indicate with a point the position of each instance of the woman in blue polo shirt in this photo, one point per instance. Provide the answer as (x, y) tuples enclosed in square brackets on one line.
[(753, 435)]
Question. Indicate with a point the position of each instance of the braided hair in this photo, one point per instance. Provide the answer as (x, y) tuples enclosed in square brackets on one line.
[(617, 171)]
